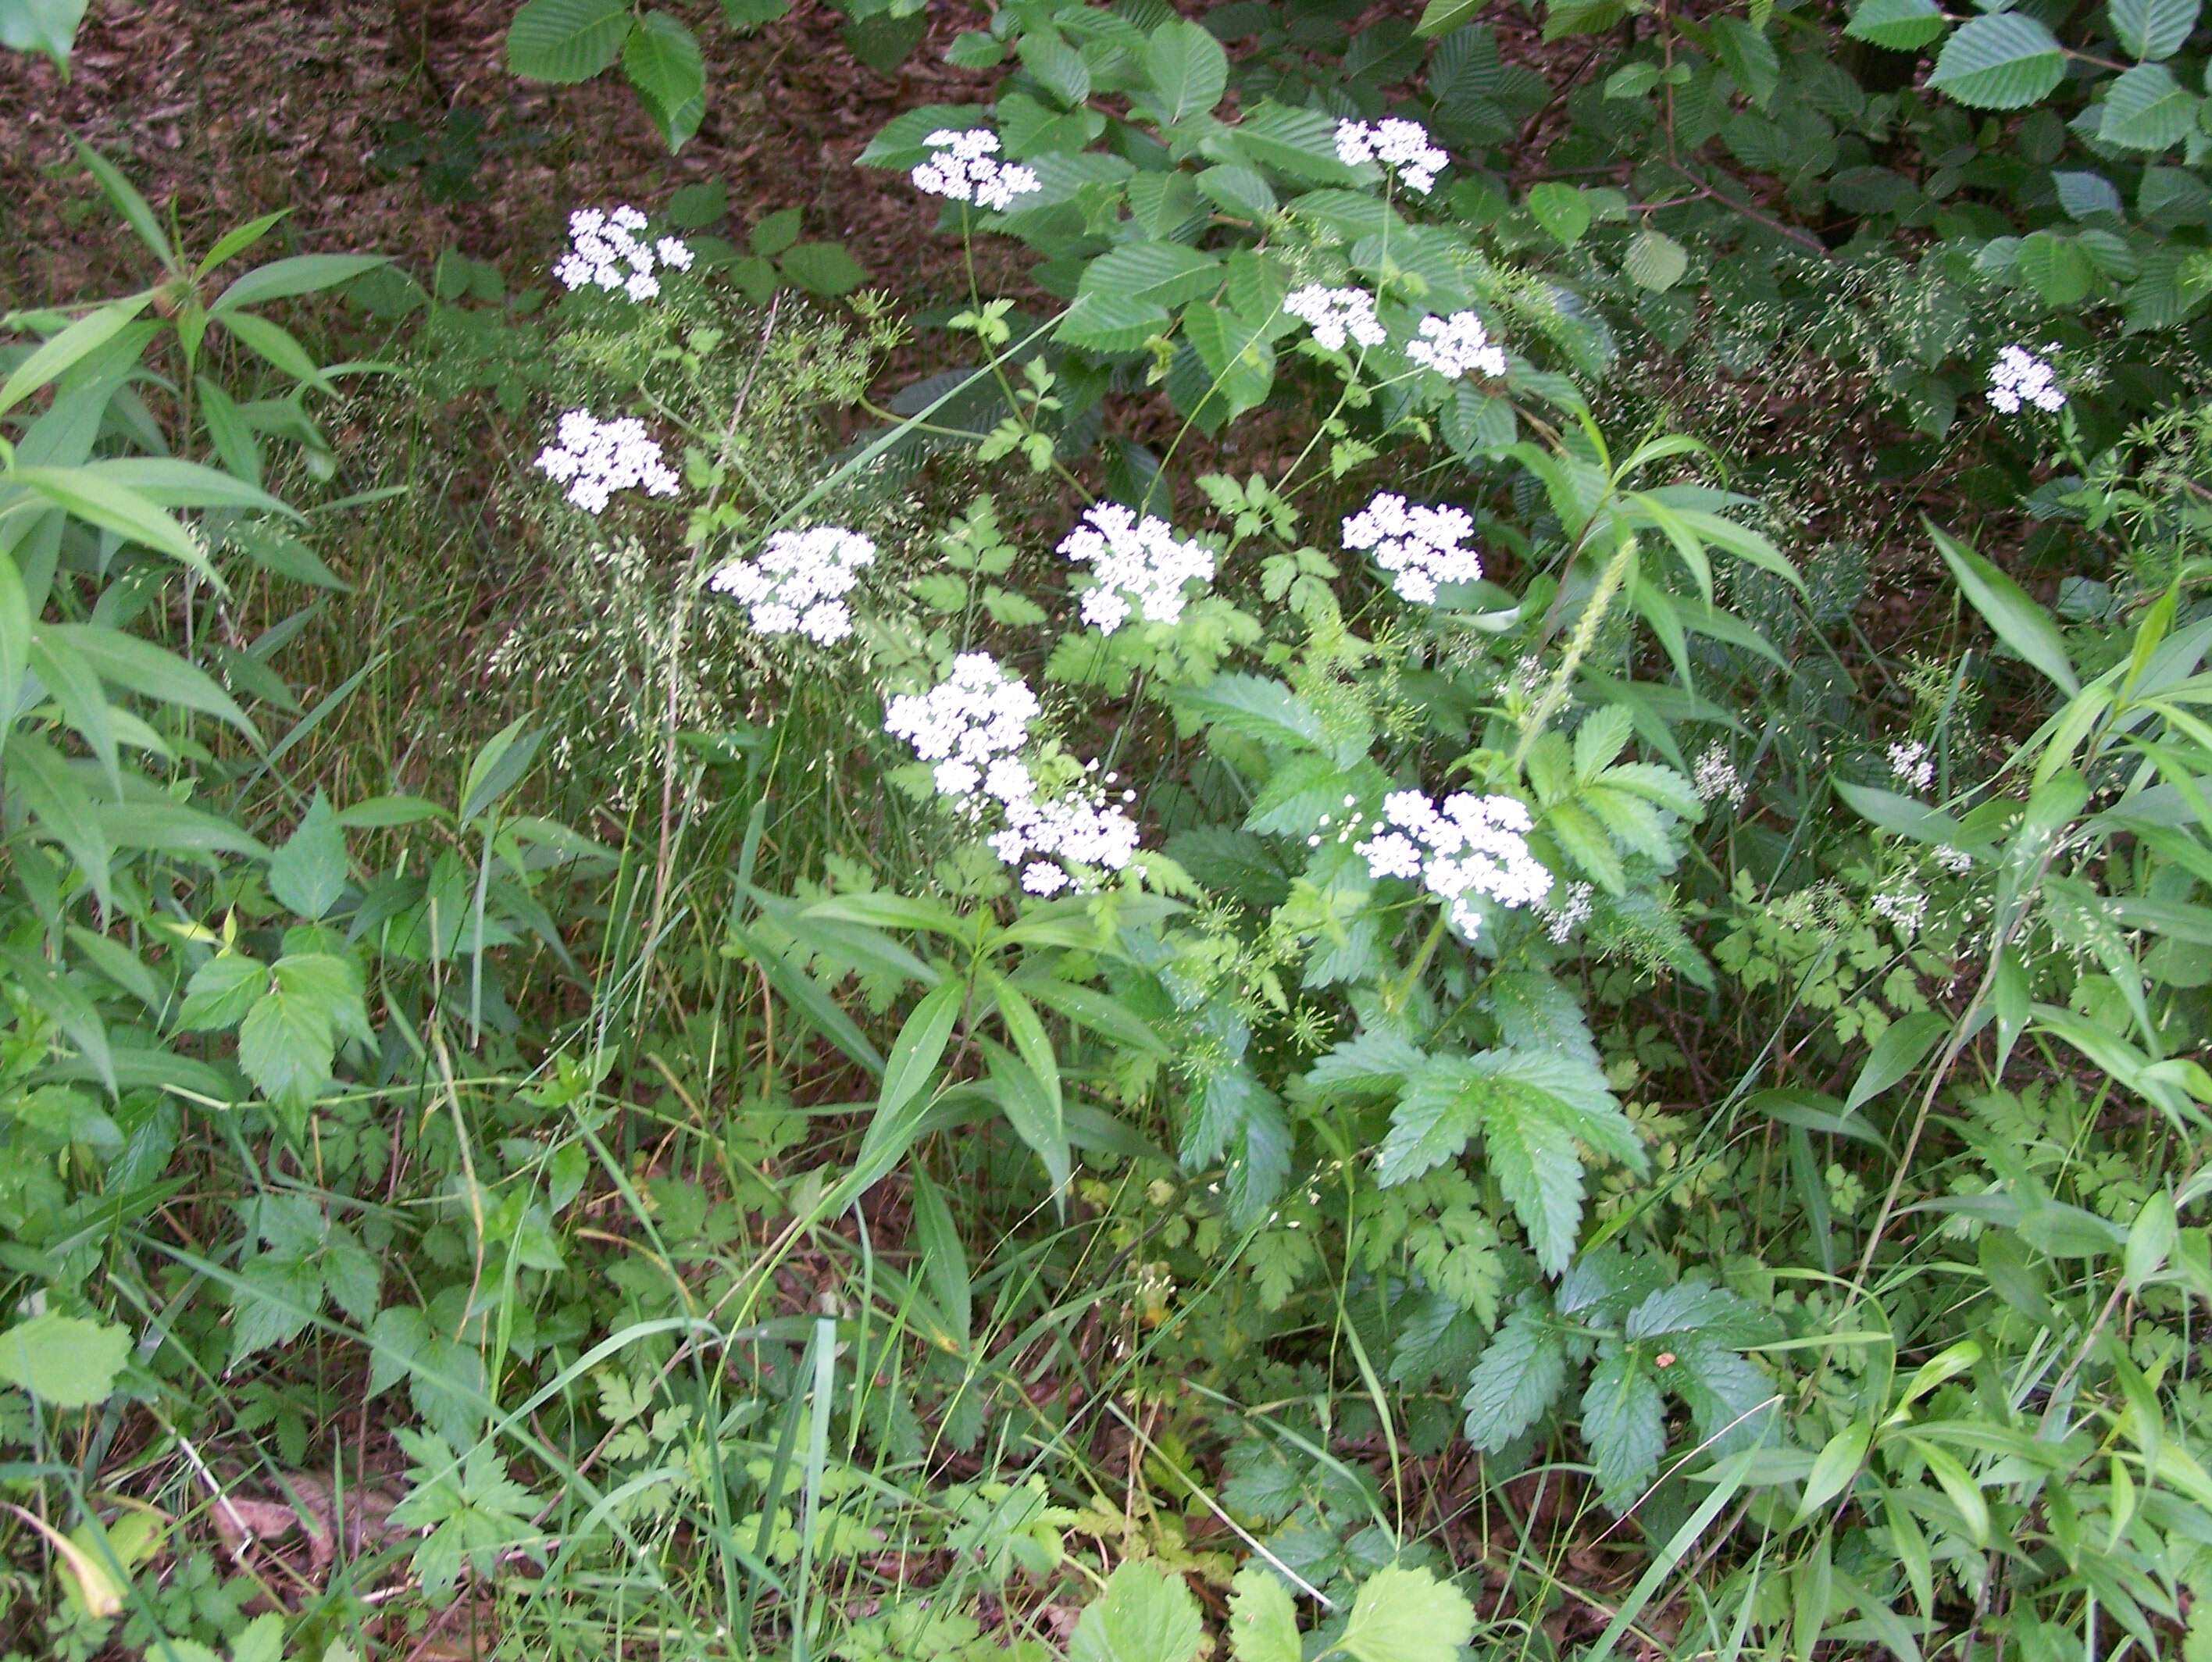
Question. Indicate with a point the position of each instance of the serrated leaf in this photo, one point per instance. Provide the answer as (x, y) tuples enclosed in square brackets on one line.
[(1624, 1425), (1301, 142), (1655, 260), (1187, 68), (65, 1361), (1407, 1616), (1145, 1615), (1236, 354), (1255, 707), (1520, 1373), (1263, 1622), (566, 40), (2057, 267), (1731, 1402), (1154, 273), (309, 872), (1562, 209), (221, 992), (2002, 61), (663, 61), (1698, 1306), (2152, 29), (823, 267), (1111, 323), (2147, 109), (1898, 25)]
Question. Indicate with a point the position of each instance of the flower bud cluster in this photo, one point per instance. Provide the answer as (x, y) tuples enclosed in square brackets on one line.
[(1337, 314), (2019, 377), (1454, 345), (1397, 144)]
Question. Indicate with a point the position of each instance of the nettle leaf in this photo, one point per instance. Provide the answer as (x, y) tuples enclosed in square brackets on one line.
[(1698, 1306), (1730, 1402), (1519, 1375), (1373, 1064), (65, 1361), (2001, 62), (1146, 1615), (1899, 25), (221, 992), (1624, 1424), (1407, 1616), (566, 40), (1257, 708), (274, 1300), (2153, 28)]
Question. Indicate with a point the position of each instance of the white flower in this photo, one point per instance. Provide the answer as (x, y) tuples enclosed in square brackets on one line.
[(1454, 345), (1568, 909), (1421, 548), (1396, 144), (1336, 313), (606, 252), (798, 583), (1904, 911), (1043, 877), (595, 459), (1910, 764), (1141, 565), (1714, 779), (2019, 377), (1465, 846), (965, 168), (978, 712)]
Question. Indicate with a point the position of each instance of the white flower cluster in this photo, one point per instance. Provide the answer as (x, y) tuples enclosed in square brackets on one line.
[(1568, 909), (1395, 142), (596, 458), (2019, 377), (799, 584), (1909, 762), (1336, 313), (1904, 911), (1468, 845), (1453, 346), (1420, 546), (605, 251), (1715, 779), (1142, 567), (966, 168), (971, 725)]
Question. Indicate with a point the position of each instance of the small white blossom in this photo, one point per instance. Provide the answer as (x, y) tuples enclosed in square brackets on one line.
[(1396, 144), (1421, 548), (595, 459), (976, 714), (1465, 846), (965, 166), (1141, 564), (1909, 762), (605, 251), (1456, 345), (1568, 910), (1337, 313), (1903, 911), (798, 582), (2019, 377), (1715, 779)]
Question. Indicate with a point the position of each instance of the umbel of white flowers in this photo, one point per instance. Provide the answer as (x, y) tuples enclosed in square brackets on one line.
[(1141, 565), (2019, 377), (798, 582), (595, 459), (965, 166), (971, 725), (1420, 546), (1337, 313), (605, 251), (1397, 144), (1466, 846), (1453, 346)]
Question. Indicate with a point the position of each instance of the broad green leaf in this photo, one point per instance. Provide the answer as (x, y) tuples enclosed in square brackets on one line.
[(1623, 1424), (1903, 1045), (1301, 142), (1696, 1306), (1155, 273), (1242, 190), (1534, 1158), (1436, 1117), (1520, 1373), (1835, 1467), (1443, 17), (309, 872), (302, 274), (1187, 68), (1257, 708), (2058, 266), (823, 267), (1407, 1616), (662, 60), (52, 357), (2018, 622), (1655, 260), (566, 40), (2151, 1239), (1748, 57), (1102, 322), (1145, 1615), (498, 768), (1263, 1622), (1561, 209), (1236, 353), (2147, 109), (1899, 25), (42, 26), (1057, 66), (65, 1361), (2004, 61), (775, 232), (115, 507), (2152, 29)]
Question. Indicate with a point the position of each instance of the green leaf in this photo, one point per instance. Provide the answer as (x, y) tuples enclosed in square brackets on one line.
[(2152, 29), (1241, 191), (222, 991), (1154, 273), (1534, 1158), (1111, 323), (65, 1361), (663, 61), (2058, 266), (1655, 260), (823, 267), (276, 343), (2002, 61), (115, 507), (1748, 57), (1899, 25), (1187, 68), (1903, 1045), (52, 357), (1301, 142), (566, 40), (1443, 17), (1562, 209), (1407, 1616), (309, 872), (1057, 66), (1263, 1622), (1521, 1372), (302, 274), (2147, 109), (1436, 1116), (1834, 1467), (1146, 1615), (288, 1040), (1236, 353), (1623, 1424), (1255, 707), (127, 202), (775, 232), (2018, 622), (42, 26)]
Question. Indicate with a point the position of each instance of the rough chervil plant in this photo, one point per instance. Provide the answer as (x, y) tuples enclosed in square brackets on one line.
[(2019, 377), (608, 251), (1421, 548), (965, 166), (1140, 566), (1466, 848), (595, 459), (798, 582), (1401, 145), (1336, 315)]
